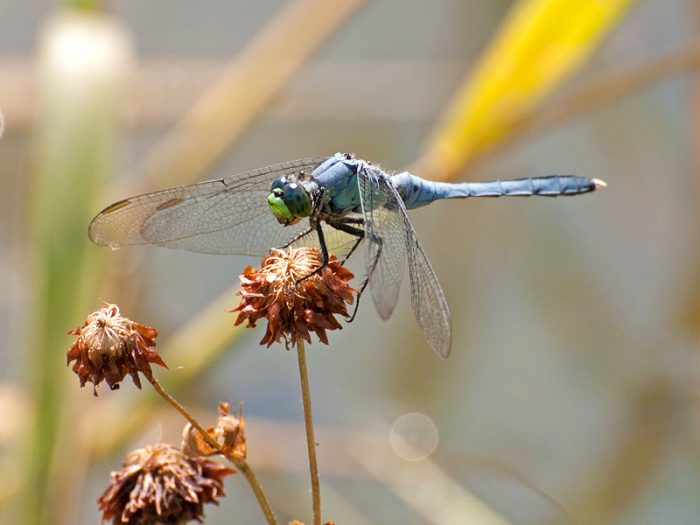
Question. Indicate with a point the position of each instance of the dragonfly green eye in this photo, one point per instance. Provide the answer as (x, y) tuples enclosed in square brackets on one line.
[(289, 201)]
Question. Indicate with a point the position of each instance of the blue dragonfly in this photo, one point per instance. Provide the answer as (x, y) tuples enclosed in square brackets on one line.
[(335, 203)]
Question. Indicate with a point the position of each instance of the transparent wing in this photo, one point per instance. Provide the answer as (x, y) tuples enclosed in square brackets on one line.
[(389, 239), (338, 242), (385, 234), (225, 216), (427, 298)]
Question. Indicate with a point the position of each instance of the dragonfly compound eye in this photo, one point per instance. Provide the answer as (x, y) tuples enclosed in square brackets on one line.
[(289, 203), (297, 199)]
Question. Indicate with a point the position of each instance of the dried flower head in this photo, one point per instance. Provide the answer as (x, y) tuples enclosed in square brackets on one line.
[(293, 307), (160, 485), (110, 346)]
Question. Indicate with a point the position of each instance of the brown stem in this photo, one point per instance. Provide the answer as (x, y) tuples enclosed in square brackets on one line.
[(310, 440), (240, 463), (207, 437)]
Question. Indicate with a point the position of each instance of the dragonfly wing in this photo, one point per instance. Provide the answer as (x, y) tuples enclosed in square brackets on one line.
[(427, 298), (225, 216), (338, 242), (385, 233)]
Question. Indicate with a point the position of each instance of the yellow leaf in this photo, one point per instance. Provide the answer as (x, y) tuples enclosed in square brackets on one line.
[(539, 44)]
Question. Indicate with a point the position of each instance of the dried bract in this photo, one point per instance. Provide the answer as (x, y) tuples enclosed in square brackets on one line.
[(161, 485), (194, 444), (231, 432), (110, 346), (294, 307)]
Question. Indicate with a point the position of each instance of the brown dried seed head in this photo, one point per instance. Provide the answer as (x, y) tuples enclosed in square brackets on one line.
[(294, 309), (110, 346), (161, 485)]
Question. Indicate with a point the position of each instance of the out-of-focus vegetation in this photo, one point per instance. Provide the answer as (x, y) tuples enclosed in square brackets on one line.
[(538, 45), (571, 390)]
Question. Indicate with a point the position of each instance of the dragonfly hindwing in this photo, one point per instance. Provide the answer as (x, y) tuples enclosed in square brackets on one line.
[(427, 298)]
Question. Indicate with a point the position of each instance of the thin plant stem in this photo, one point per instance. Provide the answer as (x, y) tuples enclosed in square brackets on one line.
[(170, 399), (310, 440), (240, 463)]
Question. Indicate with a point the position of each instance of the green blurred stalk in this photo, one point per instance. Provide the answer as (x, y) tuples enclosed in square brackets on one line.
[(85, 5), (82, 65)]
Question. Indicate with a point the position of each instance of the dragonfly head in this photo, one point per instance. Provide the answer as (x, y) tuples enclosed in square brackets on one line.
[(289, 200)]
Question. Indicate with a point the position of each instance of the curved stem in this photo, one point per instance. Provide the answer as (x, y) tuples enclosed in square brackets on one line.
[(310, 440), (170, 399), (240, 463)]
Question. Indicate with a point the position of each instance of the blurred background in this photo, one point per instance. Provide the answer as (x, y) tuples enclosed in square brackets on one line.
[(571, 395)]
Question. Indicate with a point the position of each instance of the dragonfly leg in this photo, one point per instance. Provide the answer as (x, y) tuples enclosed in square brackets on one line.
[(324, 252), (298, 236), (366, 281), (344, 225)]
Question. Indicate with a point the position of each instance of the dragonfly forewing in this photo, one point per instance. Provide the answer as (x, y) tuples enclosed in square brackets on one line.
[(226, 216), (385, 234)]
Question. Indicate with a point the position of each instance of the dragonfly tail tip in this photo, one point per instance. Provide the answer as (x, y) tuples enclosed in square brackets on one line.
[(600, 183)]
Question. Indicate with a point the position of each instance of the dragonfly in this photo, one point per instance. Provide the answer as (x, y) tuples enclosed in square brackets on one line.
[(335, 203)]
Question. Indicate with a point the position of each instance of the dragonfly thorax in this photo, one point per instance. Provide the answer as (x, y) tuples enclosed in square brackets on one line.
[(289, 200)]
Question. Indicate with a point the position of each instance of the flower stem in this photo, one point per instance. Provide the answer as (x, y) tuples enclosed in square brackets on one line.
[(240, 463), (310, 440), (210, 440)]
